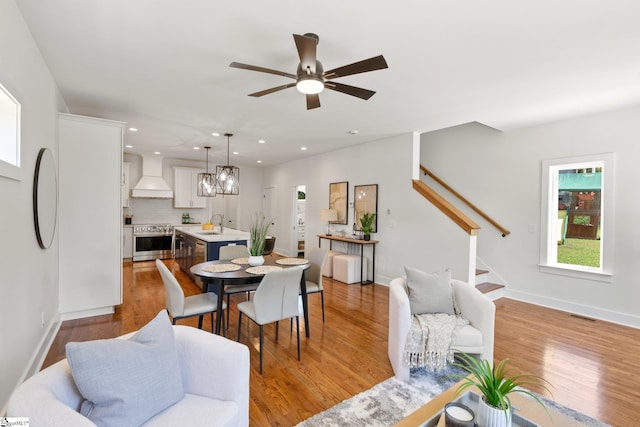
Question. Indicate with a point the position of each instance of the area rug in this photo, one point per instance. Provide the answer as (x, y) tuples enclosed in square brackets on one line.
[(390, 401)]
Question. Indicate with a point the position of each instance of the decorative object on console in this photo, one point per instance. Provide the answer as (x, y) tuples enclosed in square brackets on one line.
[(207, 181), (366, 221), (339, 200), (227, 176), (329, 216), (258, 229), (366, 200), (494, 408)]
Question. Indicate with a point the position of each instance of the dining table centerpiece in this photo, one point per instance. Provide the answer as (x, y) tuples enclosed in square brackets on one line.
[(258, 229)]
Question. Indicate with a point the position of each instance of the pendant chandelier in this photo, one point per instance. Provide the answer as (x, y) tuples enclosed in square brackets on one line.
[(227, 176), (207, 181)]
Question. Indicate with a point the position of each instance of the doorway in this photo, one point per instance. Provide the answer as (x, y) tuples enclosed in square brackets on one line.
[(299, 220)]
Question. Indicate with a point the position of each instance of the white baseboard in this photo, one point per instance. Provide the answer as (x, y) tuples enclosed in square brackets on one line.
[(43, 348), (86, 313), (571, 307), (37, 358)]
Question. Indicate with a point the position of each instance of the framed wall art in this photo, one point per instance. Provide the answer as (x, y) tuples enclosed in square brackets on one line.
[(366, 201), (339, 200)]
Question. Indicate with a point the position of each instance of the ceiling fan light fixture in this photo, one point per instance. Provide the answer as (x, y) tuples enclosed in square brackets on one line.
[(310, 85)]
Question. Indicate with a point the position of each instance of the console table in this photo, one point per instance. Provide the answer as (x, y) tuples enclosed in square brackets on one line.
[(333, 238)]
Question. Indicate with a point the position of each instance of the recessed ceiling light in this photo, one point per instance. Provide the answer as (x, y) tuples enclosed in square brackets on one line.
[(157, 152), (236, 153), (196, 148), (354, 132), (128, 146), (259, 161), (215, 134), (133, 129), (303, 148), (261, 141)]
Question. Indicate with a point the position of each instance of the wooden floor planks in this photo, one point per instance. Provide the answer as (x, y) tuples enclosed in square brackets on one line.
[(593, 366)]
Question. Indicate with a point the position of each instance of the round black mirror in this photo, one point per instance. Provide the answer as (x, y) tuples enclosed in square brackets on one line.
[(45, 198)]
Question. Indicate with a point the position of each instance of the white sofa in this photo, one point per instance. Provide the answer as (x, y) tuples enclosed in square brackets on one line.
[(476, 338), (215, 376)]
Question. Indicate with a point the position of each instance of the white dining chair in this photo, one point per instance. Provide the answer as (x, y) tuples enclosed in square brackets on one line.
[(275, 299), (230, 252), (313, 276), (180, 307)]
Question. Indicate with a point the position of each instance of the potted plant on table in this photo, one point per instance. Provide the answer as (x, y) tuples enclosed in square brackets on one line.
[(495, 385), (366, 223), (258, 229)]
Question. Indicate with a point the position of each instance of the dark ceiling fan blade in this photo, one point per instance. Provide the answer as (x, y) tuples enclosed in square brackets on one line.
[(273, 89), (261, 69), (371, 64), (313, 101), (350, 90), (306, 51)]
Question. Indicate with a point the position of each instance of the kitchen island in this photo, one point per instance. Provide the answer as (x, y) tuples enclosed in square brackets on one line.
[(193, 245)]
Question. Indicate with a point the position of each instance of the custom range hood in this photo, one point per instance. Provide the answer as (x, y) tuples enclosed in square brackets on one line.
[(152, 185)]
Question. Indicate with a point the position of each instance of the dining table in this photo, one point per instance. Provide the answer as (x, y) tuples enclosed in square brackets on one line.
[(216, 274)]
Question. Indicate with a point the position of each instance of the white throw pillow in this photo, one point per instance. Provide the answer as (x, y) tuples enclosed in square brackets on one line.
[(126, 382), (429, 292)]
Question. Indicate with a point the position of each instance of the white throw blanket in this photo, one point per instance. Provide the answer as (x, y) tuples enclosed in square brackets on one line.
[(429, 340)]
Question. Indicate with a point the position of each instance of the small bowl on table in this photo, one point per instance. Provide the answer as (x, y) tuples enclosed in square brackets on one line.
[(458, 415)]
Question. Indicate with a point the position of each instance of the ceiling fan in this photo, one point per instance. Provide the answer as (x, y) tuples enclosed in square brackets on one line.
[(311, 79)]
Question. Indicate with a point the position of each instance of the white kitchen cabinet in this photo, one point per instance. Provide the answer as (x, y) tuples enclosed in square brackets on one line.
[(126, 187), (185, 192), (127, 243), (89, 215)]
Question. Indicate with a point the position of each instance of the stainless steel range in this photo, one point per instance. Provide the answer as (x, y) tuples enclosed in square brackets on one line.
[(152, 241)]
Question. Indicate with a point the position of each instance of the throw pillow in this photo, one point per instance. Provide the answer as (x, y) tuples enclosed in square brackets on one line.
[(126, 382), (429, 292)]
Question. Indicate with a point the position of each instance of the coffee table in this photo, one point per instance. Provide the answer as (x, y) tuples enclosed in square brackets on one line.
[(526, 407)]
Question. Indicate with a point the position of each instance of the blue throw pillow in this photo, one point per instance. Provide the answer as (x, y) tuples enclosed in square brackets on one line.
[(126, 382)]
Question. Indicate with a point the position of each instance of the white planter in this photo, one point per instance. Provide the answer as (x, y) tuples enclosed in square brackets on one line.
[(489, 416), (255, 261)]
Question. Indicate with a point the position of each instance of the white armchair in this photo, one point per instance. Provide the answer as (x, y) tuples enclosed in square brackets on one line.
[(215, 376), (475, 338)]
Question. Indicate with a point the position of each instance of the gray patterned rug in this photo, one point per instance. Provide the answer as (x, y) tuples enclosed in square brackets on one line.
[(389, 401)]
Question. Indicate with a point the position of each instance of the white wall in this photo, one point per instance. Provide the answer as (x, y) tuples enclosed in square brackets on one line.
[(29, 284), (412, 233), (501, 172)]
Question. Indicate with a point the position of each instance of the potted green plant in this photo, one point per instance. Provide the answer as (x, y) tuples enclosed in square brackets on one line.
[(495, 385), (366, 222), (258, 229)]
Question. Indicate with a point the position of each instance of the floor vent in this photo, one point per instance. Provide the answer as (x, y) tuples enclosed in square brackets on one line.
[(577, 316)]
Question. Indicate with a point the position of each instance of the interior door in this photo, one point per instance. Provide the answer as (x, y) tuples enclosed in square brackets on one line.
[(298, 221)]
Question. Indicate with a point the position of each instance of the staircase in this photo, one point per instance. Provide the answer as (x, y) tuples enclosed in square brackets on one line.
[(485, 279), (492, 290)]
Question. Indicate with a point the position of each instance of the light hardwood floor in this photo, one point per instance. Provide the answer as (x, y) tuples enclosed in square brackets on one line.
[(593, 365)]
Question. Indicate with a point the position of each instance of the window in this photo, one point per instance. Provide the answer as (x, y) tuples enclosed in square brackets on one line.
[(577, 217), (9, 135)]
